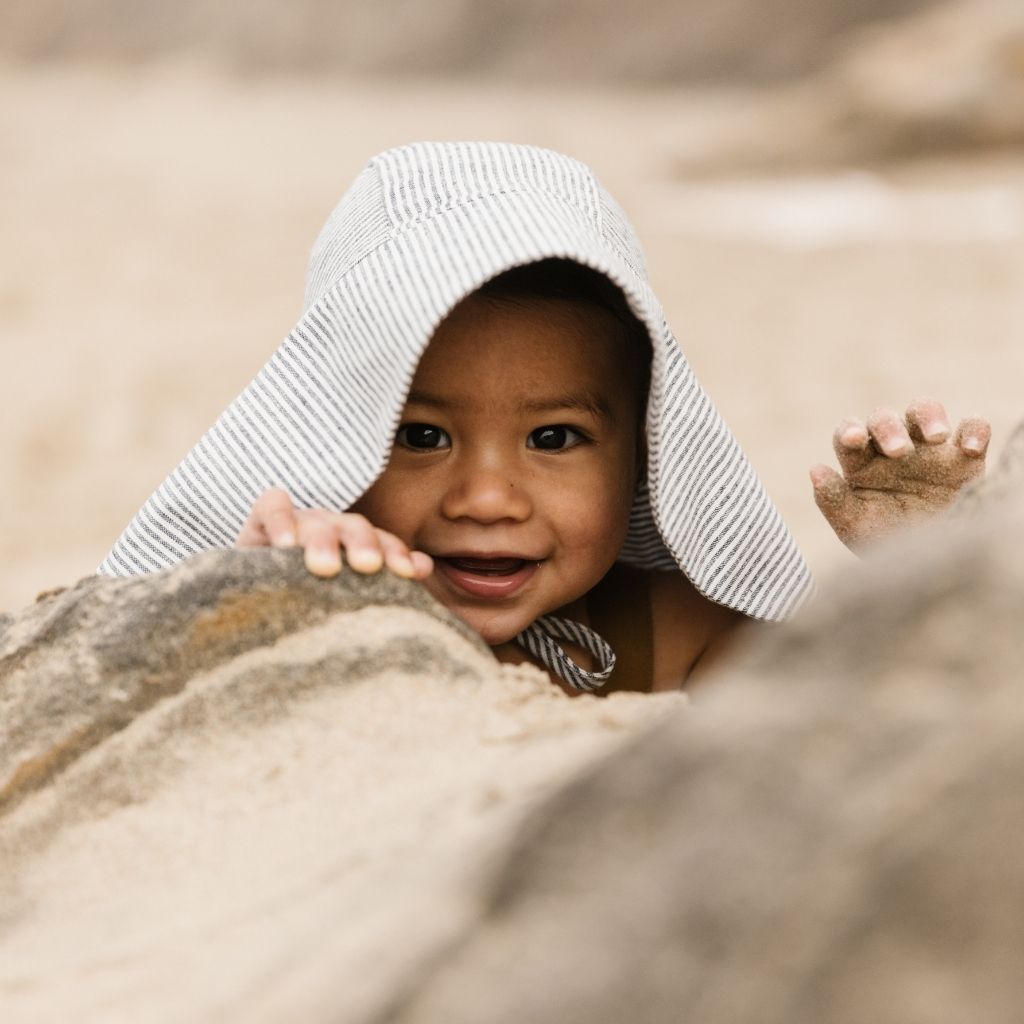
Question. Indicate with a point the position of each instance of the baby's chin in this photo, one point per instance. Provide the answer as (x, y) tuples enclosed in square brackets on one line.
[(494, 630), (495, 634)]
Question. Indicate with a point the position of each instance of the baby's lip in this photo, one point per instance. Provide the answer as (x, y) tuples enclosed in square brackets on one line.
[(487, 576), (496, 563), (487, 556)]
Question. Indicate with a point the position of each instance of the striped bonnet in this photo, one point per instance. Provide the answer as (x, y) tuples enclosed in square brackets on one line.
[(422, 227)]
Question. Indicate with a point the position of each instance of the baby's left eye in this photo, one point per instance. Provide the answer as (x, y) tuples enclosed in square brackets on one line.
[(553, 439)]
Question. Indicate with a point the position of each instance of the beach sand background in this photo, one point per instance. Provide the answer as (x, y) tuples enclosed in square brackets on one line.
[(159, 201)]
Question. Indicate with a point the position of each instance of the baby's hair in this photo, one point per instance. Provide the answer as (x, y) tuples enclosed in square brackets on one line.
[(573, 282)]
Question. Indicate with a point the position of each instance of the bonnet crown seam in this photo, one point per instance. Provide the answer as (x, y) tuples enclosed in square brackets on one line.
[(399, 228)]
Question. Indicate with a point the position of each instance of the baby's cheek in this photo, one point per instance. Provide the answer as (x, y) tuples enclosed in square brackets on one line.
[(441, 595), (597, 525), (380, 507)]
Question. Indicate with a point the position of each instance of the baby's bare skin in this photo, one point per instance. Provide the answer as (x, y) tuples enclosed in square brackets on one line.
[(897, 470), (275, 522)]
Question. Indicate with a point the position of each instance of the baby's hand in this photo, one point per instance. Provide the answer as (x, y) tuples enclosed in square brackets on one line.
[(275, 522), (897, 471)]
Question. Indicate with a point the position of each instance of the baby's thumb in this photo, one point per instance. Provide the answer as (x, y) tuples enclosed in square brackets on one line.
[(834, 498)]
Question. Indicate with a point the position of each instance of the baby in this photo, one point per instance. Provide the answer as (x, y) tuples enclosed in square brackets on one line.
[(483, 394)]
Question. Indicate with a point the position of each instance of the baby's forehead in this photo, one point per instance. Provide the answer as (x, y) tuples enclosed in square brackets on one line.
[(573, 335), (533, 355)]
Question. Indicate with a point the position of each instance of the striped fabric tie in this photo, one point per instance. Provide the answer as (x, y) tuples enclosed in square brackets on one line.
[(541, 638)]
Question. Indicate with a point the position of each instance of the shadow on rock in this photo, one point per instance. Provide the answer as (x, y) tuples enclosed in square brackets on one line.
[(82, 663)]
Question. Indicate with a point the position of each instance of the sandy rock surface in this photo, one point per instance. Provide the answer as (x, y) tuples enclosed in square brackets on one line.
[(946, 79), (234, 792), (951, 77), (80, 664)]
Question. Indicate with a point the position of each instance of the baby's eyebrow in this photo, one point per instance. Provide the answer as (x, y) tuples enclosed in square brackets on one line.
[(583, 401), (424, 398)]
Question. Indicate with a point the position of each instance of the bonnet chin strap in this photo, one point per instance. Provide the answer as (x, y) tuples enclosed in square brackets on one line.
[(539, 638)]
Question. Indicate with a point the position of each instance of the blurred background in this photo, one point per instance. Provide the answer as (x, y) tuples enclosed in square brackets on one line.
[(831, 196)]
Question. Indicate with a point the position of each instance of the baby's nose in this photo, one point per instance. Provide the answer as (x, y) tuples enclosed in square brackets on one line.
[(487, 495)]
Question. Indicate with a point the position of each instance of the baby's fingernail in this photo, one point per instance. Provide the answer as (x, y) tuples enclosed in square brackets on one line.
[(972, 444), (323, 563), (401, 565), (854, 437), (286, 540), (365, 560), (937, 431)]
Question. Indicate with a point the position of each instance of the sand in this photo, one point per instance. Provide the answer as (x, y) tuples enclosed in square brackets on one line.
[(293, 835), (155, 224)]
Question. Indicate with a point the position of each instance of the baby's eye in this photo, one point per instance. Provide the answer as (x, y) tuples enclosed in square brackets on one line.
[(422, 437), (555, 438)]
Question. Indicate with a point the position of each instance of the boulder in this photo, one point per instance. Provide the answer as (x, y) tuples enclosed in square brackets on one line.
[(83, 663), (949, 78), (232, 791), (946, 79)]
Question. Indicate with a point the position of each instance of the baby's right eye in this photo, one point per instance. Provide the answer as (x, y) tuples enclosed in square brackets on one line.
[(422, 437)]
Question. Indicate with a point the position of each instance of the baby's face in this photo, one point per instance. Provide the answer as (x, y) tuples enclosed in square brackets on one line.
[(517, 458)]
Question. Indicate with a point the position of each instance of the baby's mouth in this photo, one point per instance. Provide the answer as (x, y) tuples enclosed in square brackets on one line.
[(487, 566), (488, 579)]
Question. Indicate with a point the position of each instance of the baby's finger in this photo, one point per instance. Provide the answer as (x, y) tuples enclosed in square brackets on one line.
[(413, 565), (889, 433), (278, 516), (396, 555), (927, 421), (850, 442), (422, 565), (362, 543), (973, 436), (836, 501), (252, 534), (416, 565), (318, 535), (271, 521)]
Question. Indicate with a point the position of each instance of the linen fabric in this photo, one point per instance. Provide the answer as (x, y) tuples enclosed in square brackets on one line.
[(422, 227)]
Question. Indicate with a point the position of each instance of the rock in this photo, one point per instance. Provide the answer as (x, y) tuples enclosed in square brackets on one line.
[(238, 793), (833, 833), (1001, 487), (945, 79), (82, 663), (949, 78)]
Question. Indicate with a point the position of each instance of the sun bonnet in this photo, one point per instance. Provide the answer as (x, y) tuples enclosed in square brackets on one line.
[(423, 226)]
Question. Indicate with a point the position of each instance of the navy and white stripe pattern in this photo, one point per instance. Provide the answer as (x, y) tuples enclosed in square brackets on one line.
[(422, 227), (541, 638)]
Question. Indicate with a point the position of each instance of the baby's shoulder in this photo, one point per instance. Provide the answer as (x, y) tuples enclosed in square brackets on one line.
[(688, 628)]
